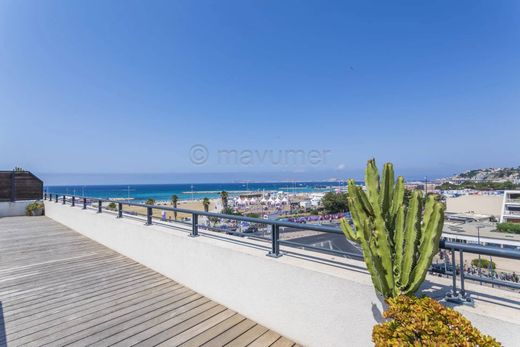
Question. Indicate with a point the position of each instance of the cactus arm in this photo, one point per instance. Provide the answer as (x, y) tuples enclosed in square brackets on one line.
[(376, 262), (428, 248), (398, 198), (428, 211), (360, 196), (387, 188), (348, 231), (410, 237), (358, 217), (398, 245), (372, 184), (440, 225), (383, 250)]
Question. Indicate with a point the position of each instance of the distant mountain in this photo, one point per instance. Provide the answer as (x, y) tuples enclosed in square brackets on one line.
[(490, 174)]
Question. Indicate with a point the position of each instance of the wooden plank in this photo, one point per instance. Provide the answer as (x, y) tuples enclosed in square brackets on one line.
[(282, 342), (196, 329), (155, 329), (39, 328), (248, 337), (214, 331), (182, 326), (122, 323), (151, 321), (230, 334), (267, 339)]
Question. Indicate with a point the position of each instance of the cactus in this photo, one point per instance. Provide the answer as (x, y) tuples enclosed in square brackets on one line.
[(398, 241)]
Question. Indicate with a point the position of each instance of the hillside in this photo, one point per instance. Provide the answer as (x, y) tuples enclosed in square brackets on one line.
[(490, 174)]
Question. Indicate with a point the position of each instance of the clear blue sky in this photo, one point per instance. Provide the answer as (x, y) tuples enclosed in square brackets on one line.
[(131, 86)]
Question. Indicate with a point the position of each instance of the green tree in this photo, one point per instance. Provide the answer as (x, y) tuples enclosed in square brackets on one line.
[(335, 202), (206, 203), (174, 199), (150, 201), (483, 263)]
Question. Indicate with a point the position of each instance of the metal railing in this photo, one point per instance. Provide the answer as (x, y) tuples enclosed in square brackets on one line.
[(454, 295)]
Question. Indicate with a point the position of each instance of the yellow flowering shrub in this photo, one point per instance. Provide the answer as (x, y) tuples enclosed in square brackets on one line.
[(425, 322)]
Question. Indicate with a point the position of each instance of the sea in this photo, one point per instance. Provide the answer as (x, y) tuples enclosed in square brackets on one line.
[(163, 192)]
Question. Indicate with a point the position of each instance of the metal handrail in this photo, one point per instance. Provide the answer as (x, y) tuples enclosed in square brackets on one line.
[(275, 235)]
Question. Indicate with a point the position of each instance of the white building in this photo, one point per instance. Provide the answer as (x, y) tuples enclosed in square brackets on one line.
[(511, 207), (305, 204)]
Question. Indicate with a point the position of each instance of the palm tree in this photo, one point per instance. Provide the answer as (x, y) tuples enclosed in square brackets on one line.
[(224, 196), (175, 198), (205, 203)]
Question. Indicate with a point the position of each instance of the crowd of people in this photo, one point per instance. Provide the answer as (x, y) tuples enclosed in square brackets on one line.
[(474, 270)]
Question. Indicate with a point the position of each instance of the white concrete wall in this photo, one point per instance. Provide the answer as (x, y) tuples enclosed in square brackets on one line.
[(312, 303), (11, 209)]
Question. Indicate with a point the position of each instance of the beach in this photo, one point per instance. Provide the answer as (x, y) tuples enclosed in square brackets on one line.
[(214, 206)]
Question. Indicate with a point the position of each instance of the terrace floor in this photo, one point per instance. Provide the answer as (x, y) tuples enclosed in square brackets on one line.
[(60, 288)]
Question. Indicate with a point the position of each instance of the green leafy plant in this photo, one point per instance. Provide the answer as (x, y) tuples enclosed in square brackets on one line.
[(398, 240), (34, 208), (425, 322), (150, 202), (483, 263), (112, 206), (512, 228)]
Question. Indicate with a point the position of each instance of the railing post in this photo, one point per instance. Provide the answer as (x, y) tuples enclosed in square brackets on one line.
[(84, 203), (275, 242), (119, 210), (73, 201), (50, 196), (63, 202), (99, 206), (194, 225), (45, 196), (454, 272), (56, 198), (462, 291), (148, 216)]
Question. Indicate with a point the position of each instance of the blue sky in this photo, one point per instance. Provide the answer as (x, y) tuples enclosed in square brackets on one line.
[(130, 86)]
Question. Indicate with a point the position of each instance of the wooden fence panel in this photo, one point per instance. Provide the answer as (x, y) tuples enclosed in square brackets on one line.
[(21, 185)]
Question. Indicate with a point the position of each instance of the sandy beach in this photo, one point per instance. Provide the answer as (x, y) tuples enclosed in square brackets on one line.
[(197, 205)]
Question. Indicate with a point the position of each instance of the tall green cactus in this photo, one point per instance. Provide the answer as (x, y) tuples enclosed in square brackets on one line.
[(398, 241)]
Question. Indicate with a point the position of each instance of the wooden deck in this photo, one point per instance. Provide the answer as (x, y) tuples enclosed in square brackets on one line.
[(60, 288)]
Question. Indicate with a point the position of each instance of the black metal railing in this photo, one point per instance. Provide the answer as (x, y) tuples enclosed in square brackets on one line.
[(275, 225)]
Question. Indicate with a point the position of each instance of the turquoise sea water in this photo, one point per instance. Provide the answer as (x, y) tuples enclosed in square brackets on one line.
[(159, 192)]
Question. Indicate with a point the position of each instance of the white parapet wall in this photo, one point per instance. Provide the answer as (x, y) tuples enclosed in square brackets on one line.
[(13, 208), (313, 303)]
